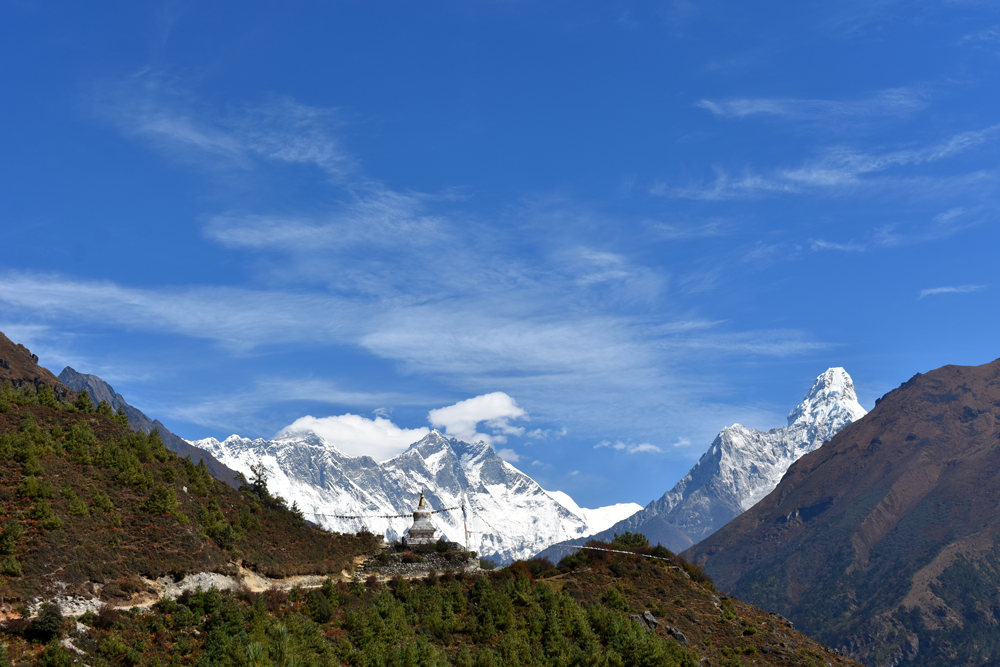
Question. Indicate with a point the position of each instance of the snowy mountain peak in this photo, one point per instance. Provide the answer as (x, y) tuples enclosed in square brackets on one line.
[(830, 405), (508, 514), (743, 465), (832, 388)]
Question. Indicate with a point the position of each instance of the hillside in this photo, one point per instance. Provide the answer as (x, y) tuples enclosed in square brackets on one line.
[(741, 466), (600, 609), (884, 541), (91, 507), (100, 390), (20, 368)]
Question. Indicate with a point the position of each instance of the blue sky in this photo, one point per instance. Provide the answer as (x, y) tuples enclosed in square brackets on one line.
[(623, 223)]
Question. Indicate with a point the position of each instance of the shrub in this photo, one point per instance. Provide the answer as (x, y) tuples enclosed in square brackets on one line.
[(629, 539), (78, 508), (9, 536), (33, 488), (572, 561), (105, 410), (106, 616), (83, 402), (49, 621), (54, 655), (121, 417), (318, 606), (614, 599), (52, 523), (10, 566), (161, 501), (113, 647), (41, 510), (47, 397), (102, 502), (32, 466), (750, 631)]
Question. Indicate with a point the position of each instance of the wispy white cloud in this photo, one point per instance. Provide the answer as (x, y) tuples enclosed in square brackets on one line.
[(380, 217), (241, 410), (959, 289), (838, 169), (676, 231), (628, 447), (892, 102), (988, 35), (820, 244), (238, 318), (155, 109)]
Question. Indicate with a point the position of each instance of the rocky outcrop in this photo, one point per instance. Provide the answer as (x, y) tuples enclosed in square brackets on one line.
[(20, 367)]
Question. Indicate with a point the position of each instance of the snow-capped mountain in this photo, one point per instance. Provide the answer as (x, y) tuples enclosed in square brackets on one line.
[(509, 515), (741, 467)]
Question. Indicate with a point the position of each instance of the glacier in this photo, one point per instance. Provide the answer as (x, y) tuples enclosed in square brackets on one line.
[(509, 516)]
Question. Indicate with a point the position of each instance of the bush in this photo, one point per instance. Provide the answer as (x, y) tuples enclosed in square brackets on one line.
[(113, 647), (106, 617), (628, 539), (54, 655), (161, 501), (573, 561), (318, 606), (10, 566), (615, 599), (102, 502), (9, 536), (83, 402), (49, 621), (105, 410), (33, 488)]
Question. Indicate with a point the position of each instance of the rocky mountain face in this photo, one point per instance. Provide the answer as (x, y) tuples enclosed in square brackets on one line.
[(100, 390), (509, 515), (885, 542), (20, 367), (740, 467)]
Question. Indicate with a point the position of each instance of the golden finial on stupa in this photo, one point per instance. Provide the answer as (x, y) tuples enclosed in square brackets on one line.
[(422, 503)]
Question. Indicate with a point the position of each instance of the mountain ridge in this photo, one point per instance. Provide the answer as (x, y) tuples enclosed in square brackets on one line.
[(100, 390), (740, 466), (513, 516), (885, 542)]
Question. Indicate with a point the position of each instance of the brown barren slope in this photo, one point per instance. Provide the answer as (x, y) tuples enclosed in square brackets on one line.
[(884, 542), (20, 367)]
